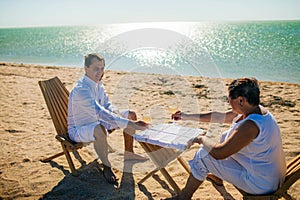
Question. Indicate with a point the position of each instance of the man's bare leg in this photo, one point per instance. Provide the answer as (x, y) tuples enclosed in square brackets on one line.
[(128, 140), (187, 192), (214, 179), (101, 148)]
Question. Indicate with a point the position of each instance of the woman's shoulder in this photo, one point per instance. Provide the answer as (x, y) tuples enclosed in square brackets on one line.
[(237, 118), (263, 110), (262, 114), (265, 118)]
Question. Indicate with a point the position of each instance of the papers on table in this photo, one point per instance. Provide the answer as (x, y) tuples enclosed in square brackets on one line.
[(169, 135)]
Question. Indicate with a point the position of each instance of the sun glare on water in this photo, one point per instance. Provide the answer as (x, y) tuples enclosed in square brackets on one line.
[(182, 28)]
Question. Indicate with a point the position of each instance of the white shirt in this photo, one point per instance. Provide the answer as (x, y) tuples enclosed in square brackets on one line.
[(263, 158), (88, 104)]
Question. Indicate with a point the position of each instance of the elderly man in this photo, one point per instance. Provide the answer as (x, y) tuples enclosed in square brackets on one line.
[(91, 115)]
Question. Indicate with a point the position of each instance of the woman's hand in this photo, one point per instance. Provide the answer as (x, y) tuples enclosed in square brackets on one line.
[(177, 116), (198, 140)]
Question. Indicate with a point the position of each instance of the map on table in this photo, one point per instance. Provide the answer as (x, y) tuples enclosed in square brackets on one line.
[(169, 135)]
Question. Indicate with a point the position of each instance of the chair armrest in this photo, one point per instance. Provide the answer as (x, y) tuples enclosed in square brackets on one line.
[(70, 145)]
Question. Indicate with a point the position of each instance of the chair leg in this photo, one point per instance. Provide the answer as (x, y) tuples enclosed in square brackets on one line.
[(69, 159), (264, 197), (110, 149), (287, 196), (147, 176), (52, 157), (170, 180), (184, 164)]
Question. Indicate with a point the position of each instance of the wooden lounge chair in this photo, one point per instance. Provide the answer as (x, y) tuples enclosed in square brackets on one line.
[(56, 97), (161, 157), (292, 175)]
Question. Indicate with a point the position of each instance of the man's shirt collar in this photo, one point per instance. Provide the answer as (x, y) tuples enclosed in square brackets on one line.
[(90, 82)]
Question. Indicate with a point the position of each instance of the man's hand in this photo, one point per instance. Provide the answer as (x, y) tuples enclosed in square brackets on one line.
[(139, 125)]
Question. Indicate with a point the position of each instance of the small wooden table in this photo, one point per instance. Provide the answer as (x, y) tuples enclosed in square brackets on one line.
[(164, 143)]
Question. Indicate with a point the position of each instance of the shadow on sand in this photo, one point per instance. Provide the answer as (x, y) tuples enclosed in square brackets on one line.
[(91, 184), (223, 192)]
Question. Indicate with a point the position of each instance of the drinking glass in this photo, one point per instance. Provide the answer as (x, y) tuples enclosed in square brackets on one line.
[(172, 109), (146, 118)]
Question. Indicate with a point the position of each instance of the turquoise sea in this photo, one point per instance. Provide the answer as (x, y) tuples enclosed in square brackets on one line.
[(267, 50)]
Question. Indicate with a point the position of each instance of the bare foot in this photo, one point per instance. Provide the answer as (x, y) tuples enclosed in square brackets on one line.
[(132, 156), (109, 175), (214, 179)]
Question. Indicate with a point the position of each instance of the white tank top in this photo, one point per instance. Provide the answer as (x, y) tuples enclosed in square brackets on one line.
[(263, 158)]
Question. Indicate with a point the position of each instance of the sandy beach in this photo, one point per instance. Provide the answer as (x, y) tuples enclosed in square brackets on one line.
[(27, 133)]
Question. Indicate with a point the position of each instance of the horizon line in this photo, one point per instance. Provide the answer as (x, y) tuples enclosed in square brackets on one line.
[(149, 22)]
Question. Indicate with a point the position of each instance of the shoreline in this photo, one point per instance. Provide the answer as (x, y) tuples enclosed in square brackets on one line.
[(25, 64), (27, 133)]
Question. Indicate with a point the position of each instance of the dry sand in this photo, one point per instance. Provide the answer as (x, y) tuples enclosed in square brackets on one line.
[(27, 133)]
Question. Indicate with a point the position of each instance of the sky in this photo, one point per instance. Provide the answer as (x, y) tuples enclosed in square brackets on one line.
[(28, 13)]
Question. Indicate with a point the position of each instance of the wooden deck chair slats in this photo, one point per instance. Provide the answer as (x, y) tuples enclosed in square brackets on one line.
[(292, 175), (58, 111), (65, 95), (53, 105), (293, 165), (53, 109), (60, 106), (56, 98)]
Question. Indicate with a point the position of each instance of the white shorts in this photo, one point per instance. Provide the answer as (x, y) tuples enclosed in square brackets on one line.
[(85, 133), (227, 169)]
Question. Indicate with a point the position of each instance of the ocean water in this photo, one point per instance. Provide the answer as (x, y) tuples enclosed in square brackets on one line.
[(266, 50)]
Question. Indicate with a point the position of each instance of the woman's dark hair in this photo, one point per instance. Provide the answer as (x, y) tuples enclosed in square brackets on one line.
[(88, 59), (245, 87)]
